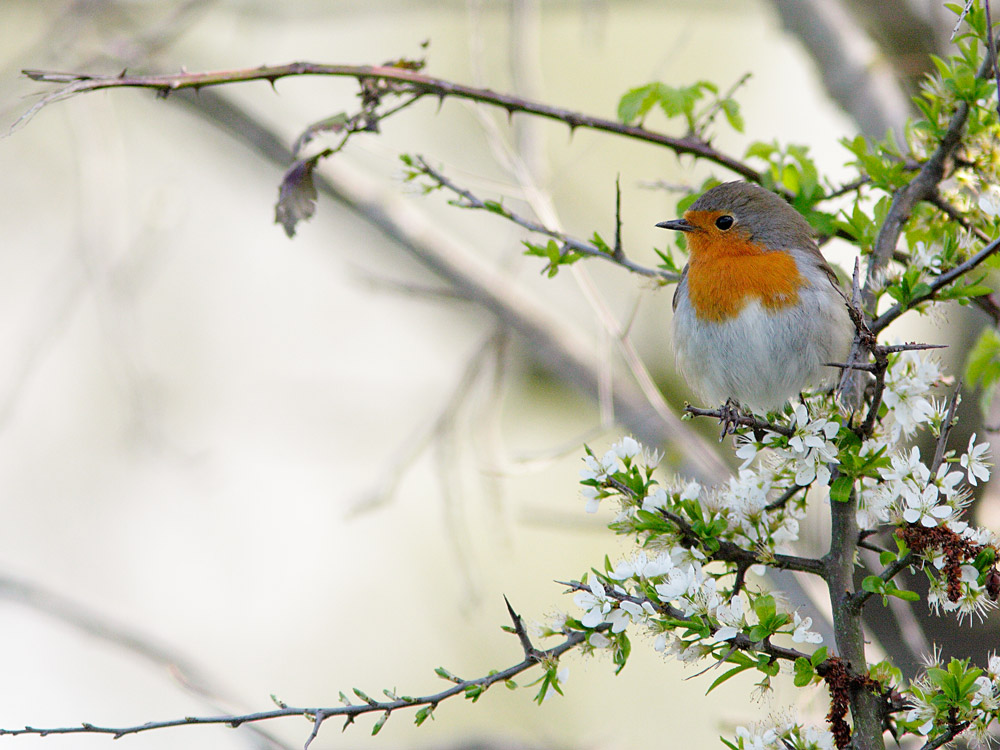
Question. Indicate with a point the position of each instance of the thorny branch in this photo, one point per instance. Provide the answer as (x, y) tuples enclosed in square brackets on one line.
[(399, 77), (350, 711)]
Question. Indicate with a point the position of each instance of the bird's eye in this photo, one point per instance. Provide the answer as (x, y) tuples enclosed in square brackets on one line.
[(724, 222)]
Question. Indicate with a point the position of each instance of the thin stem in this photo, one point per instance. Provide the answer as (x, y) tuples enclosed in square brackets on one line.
[(471, 201)]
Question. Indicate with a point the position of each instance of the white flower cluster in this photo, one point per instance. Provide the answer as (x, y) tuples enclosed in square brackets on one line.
[(907, 384), (681, 583), (783, 734), (973, 598), (620, 457), (908, 493), (808, 453)]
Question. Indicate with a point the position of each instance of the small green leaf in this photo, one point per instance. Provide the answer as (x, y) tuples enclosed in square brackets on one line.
[(840, 490), (804, 672), (380, 723), (906, 596), (873, 584), (727, 675), (731, 109)]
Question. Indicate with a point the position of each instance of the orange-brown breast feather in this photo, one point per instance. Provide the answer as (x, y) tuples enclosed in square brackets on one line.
[(725, 273)]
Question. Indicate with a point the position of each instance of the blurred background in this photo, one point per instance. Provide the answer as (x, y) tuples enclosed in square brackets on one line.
[(235, 465)]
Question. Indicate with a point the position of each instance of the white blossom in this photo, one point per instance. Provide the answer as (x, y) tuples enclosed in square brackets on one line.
[(626, 448), (922, 507), (989, 200), (976, 466), (923, 256), (802, 633), (596, 602), (907, 384)]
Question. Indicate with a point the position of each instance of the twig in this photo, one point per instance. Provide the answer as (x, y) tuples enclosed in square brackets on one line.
[(858, 599), (742, 420), (740, 641), (470, 200), (949, 422), (404, 79), (784, 497), (733, 553), (530, 652), (951, 733)]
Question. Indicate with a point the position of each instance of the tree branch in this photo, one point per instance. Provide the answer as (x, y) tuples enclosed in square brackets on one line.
[(400, 77)]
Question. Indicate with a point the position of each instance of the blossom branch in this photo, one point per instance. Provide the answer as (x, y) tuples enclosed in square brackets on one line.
[(946, 427), (741, 641), (923, 187), (936, 285), (467, 199), (733, 553), (401, 76), (950, 733)]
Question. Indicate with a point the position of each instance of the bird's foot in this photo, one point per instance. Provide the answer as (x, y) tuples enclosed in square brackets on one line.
[(729, 418)]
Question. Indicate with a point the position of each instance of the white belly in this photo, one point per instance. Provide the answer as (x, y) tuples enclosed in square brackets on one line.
[(762, 358)]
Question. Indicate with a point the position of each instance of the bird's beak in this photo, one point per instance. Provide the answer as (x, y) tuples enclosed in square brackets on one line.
[(680, 225)]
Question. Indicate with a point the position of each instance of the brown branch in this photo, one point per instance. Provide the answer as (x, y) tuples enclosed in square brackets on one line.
[(949, 422), (402, 79)]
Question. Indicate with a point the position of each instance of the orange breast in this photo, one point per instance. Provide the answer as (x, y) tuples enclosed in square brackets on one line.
[(725, 274)]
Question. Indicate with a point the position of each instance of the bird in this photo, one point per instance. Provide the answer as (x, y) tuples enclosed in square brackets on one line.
[(759, 315)]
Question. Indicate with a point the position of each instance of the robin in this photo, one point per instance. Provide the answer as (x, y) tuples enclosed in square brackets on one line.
[(758, 313)]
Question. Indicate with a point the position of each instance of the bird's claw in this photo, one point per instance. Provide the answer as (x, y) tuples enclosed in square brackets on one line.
[(729, 418)]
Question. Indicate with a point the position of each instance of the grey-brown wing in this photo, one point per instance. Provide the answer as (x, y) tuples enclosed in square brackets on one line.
[(677, 289)]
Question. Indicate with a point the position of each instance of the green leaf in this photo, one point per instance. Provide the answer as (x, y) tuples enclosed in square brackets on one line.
[(906, 596), (495, 207), (804, 672), (819, 656), (873, 584), (361, 694), (731, 109), (840, 489), (765, 607), (731, 673), (982, 368)]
